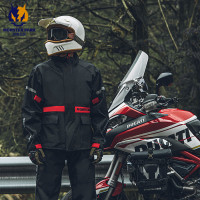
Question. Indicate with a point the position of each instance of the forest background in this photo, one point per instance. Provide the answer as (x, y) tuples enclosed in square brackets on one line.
[(167, 30)]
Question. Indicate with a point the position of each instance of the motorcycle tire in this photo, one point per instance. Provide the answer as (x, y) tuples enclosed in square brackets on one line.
[(121, 196)]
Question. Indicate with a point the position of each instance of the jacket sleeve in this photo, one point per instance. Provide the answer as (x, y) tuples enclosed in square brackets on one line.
[(32, 108), (99, 111)]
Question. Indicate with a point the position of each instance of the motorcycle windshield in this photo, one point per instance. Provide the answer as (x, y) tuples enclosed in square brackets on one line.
[(135, 72)]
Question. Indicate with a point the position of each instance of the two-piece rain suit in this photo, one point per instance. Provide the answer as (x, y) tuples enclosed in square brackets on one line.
[(65, 111)]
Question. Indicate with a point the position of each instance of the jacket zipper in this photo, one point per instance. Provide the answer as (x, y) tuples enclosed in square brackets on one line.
[(67, 69)]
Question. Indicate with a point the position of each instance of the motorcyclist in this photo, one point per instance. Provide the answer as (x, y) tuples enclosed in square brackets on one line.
[(64, 113)]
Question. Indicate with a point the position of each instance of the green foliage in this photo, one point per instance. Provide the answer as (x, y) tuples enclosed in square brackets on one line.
[(115, 31)]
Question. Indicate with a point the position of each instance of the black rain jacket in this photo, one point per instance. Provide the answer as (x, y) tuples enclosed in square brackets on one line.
[(64, 105)]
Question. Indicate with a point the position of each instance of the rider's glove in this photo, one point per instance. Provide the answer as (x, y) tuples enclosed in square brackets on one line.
[(36, 155), (97, 150)]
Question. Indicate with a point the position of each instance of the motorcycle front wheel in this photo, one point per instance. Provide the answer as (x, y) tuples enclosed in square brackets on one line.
[(121, 196)]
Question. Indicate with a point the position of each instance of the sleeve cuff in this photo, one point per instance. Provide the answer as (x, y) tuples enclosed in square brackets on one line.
[(96, 145), (38, 146)]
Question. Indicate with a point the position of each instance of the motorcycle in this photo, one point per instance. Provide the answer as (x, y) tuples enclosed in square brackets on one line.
[(158, 146)]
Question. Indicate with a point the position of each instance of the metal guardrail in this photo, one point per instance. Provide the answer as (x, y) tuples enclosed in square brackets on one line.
[(18, 175)]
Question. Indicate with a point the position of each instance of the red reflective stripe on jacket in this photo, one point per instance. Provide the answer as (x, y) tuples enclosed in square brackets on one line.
[(54, 109), (82, 109), (96, 145), (38, 99), (96, 100), (38, 146)]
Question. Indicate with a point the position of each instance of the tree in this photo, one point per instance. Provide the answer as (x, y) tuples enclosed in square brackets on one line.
[(167, 30), (115, 30)]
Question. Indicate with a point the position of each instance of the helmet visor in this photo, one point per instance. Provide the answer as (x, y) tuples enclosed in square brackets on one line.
[(57, 34)]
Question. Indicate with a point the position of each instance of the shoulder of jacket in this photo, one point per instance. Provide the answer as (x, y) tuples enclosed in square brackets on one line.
[(88, 66), (41, 66)]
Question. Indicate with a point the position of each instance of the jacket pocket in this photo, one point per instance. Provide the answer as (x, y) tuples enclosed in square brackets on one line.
[(50, 119), (50, 135), (85, 120)]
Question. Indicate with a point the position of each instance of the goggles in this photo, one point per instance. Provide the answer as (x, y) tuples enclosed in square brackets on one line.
[(57, 34)]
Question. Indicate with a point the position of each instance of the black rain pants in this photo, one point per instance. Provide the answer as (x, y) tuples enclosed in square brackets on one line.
[(81, 175)]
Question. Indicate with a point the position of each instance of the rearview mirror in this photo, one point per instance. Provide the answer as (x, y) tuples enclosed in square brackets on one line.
[(164, 79)]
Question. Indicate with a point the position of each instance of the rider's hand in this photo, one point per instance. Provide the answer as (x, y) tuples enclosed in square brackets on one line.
[(97, 150), (36, 155)]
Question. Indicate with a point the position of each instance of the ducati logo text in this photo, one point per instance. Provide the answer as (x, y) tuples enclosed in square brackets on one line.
[(135, 123)]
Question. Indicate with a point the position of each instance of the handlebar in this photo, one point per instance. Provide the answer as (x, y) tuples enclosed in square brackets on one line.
[(165, 102), (158, 102)]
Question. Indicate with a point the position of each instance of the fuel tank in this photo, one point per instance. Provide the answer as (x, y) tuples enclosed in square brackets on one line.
[(165, 123)]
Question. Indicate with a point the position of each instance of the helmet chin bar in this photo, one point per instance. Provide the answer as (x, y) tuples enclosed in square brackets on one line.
[(62, 47)]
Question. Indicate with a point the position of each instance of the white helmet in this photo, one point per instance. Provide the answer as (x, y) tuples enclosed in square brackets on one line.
[(63, 44)]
